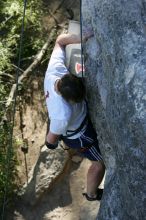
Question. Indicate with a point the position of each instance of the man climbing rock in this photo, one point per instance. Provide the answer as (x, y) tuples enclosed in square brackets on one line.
[(65, 99)]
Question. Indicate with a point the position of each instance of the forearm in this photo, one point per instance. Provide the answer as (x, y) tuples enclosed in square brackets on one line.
[(52, 138), (65, 39)]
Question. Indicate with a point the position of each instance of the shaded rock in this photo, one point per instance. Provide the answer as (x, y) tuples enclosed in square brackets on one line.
[(116, 86)]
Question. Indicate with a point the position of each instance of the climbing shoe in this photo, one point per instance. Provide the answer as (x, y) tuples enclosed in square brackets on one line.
[(98, 196)]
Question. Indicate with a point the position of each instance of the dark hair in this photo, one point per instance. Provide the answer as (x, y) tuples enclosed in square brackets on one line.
[(71, 88)]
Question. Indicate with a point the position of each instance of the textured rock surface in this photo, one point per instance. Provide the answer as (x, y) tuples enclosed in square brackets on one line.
[(49, 166), (116, 82)]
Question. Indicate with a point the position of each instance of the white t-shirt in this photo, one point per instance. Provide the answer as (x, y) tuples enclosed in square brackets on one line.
[(63, 115)]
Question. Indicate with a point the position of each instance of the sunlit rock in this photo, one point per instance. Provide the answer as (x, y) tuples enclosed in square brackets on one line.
[(116, 87)]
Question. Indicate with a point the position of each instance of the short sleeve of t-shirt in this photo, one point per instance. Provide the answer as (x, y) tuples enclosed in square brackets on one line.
[(58, 126), (56, 64), (60, 115)]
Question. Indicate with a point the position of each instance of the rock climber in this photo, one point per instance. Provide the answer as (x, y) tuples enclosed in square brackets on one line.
[(67, 109)]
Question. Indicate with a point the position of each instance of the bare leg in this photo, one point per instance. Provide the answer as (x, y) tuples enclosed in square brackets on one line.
[(94, 177)]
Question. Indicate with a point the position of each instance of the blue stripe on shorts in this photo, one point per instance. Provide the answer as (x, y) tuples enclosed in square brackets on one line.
[(88, 137)]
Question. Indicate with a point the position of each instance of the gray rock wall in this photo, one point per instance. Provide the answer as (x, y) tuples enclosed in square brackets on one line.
[(116, 87)]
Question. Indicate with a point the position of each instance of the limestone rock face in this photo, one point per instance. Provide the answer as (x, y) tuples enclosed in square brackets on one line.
[(116, 87)]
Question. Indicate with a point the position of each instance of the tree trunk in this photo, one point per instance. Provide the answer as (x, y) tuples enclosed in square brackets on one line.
[(116, 87)]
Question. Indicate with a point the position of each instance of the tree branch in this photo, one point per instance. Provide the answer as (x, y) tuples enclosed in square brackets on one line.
[(16, 67), (6, 74), (37, 60)]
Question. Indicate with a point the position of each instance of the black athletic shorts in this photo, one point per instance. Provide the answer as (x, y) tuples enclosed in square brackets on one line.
[(87, 138)]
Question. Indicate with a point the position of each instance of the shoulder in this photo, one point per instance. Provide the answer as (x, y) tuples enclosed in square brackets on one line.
[(58, 54)]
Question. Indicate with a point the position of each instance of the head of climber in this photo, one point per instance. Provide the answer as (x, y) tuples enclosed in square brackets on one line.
[(71, 88)]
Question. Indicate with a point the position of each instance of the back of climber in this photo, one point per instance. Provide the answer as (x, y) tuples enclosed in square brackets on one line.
[(67, 111)]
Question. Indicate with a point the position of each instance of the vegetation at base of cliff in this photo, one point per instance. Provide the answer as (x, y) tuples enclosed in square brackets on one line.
[(11, 12)]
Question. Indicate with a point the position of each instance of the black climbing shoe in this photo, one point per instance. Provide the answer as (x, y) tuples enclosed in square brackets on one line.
[(98, 197)]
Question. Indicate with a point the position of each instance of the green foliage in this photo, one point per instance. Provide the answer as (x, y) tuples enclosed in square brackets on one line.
[(10, 28), (8, 163), (11, 12), (7, 155)]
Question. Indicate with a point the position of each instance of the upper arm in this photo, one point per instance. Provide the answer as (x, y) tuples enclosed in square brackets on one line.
[(57, 127), (58, 55), (57, 58)]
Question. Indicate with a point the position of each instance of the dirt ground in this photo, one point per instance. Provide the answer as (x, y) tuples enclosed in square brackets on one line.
[(65, 200)]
